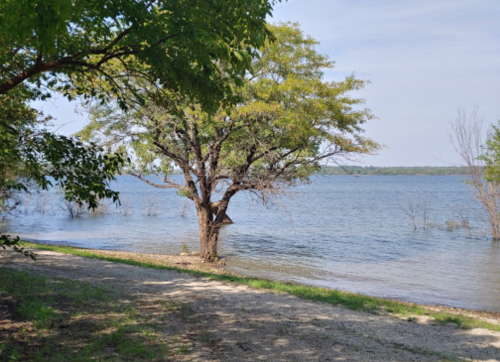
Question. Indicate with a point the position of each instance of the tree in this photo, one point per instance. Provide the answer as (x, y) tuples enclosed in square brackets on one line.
[(289, 121), (28, 152), (70, 45), (58, 42), (481, 154)]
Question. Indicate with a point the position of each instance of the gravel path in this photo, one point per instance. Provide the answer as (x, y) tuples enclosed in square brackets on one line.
[(248, 324)]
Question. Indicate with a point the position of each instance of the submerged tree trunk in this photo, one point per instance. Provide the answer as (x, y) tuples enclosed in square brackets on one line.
[(491, 205), (227, 219), (468, 140), (215, 211), (211, 216)]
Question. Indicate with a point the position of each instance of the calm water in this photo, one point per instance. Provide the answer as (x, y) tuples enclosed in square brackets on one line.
[(340, 232)]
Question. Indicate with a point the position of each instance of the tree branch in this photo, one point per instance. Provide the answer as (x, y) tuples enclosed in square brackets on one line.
[(169, 185)]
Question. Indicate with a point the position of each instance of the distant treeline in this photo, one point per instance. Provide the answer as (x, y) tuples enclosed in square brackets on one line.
[(371, 170)]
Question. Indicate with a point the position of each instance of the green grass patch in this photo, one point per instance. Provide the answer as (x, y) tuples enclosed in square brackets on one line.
[(36, 311), (53, 319), (335, 297)]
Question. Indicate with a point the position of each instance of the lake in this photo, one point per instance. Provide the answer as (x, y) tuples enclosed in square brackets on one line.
[(342, 232)]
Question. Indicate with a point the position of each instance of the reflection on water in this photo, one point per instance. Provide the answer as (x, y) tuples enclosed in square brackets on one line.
[(340, 232)]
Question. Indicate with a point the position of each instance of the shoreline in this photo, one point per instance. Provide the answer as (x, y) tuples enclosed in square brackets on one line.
[(193, 265), (105, 309)]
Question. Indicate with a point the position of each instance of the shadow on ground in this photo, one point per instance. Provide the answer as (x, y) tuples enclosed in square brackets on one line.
[(227, 322)]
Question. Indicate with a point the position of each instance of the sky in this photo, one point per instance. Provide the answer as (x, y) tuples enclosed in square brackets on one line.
[(424, 60)]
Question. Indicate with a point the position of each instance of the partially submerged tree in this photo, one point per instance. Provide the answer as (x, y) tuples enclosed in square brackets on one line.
[(73, 46), (289, 121), (480, 153)]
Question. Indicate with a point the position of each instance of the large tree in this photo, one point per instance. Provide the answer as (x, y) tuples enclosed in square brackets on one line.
[(290, 120), (74, 46)]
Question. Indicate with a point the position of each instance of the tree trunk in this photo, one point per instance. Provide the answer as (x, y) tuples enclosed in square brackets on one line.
[(209, 233), (209, 247), (488, 196)]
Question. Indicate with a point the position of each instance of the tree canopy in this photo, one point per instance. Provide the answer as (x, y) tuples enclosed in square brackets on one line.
[(62, 43), (289, 120), (29, 153)]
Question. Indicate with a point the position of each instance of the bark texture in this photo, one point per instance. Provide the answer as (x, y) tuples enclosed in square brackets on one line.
[(209, 232)]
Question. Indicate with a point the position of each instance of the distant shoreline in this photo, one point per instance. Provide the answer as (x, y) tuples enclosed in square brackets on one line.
[(393, 171), (386, 171)]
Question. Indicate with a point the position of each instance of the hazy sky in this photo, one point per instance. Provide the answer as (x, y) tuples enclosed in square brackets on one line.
[(424, 59)]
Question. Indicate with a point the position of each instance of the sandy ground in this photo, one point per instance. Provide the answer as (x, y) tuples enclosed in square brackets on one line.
[(248, 324), (185, 261)]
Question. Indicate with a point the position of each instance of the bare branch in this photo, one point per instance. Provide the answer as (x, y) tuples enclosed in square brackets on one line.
[(169, 184), (468, 138)]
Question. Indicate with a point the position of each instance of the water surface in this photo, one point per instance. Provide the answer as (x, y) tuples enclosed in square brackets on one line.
[(339, 232)]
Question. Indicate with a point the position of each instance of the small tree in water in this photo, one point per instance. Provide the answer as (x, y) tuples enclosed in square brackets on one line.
[(288, 121), (480, 153)]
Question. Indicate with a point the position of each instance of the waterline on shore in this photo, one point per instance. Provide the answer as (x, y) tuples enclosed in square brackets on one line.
[(461, 317)]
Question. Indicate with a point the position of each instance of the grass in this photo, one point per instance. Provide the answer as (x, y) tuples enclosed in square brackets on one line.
[(62, 320), (335, 297), (36, 311), (185, 248)]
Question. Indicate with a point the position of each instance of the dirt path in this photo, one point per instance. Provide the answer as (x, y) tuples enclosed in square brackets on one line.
[(247, 324)]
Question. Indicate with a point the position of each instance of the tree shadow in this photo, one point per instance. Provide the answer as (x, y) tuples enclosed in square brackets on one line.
[(228, 322)]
